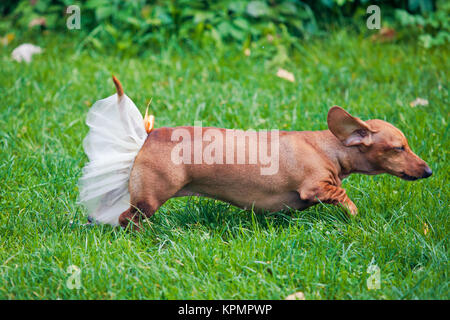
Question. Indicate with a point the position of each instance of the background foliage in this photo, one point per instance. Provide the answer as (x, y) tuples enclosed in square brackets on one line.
[(134, 26)]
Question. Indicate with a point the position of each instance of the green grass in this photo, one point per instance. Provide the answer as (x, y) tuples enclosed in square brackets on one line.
[(203, 249)]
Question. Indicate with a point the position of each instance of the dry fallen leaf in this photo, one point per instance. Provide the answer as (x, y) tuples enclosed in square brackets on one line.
[(24, 52), (426, 229), (285, 75), (179, 262), (384, 35), (7, 39), (419, 102), (296, 296), (39, 21)]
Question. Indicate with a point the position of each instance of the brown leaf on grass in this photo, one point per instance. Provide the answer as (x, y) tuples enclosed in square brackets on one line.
[(179, 262), (426, 229), (419, 102), (39, 21), (7, 39), (296, 296), (284, 74), (384, 35)]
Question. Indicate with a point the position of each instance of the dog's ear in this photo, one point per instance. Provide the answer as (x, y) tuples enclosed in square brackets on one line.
[(350, 130)]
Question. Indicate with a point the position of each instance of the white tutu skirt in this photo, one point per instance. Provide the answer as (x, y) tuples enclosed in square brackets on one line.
[(116, 135)]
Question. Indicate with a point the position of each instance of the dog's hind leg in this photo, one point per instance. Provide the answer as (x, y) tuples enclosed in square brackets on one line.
[(149, 189)]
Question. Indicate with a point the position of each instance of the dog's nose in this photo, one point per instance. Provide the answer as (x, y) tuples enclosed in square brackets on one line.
[(428, 172)]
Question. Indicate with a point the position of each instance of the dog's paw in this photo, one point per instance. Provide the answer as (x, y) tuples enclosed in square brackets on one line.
[(351, 208)]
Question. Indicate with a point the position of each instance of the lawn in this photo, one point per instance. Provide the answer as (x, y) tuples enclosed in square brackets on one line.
[(195, 248)]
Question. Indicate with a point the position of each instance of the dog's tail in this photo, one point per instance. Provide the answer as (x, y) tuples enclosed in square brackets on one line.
[(117, 132)]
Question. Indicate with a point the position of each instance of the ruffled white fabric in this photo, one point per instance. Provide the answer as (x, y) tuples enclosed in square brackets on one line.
[(116, 135)]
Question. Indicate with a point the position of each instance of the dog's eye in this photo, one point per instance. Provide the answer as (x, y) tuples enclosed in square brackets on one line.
[(399, 148)]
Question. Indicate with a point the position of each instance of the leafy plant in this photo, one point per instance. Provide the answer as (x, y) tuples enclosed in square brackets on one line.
[(134, 26), (432, 28)]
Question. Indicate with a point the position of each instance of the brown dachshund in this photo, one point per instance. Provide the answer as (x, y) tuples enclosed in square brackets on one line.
[(306, 167)]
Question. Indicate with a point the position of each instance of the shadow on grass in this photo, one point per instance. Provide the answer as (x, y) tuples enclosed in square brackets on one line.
[(222, 218), (192, 214)]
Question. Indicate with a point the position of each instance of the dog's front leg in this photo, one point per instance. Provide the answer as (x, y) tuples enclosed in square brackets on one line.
[(329, 193)]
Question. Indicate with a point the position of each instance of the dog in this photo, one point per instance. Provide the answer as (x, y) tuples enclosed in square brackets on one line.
[(310, 169)]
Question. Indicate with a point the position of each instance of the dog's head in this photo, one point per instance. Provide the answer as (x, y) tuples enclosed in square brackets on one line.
[(383, 146)]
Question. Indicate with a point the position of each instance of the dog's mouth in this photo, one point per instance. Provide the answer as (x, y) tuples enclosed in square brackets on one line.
[(408, 177)]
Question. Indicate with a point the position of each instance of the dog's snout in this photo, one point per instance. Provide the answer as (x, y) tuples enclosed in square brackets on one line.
[(427, 172)]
